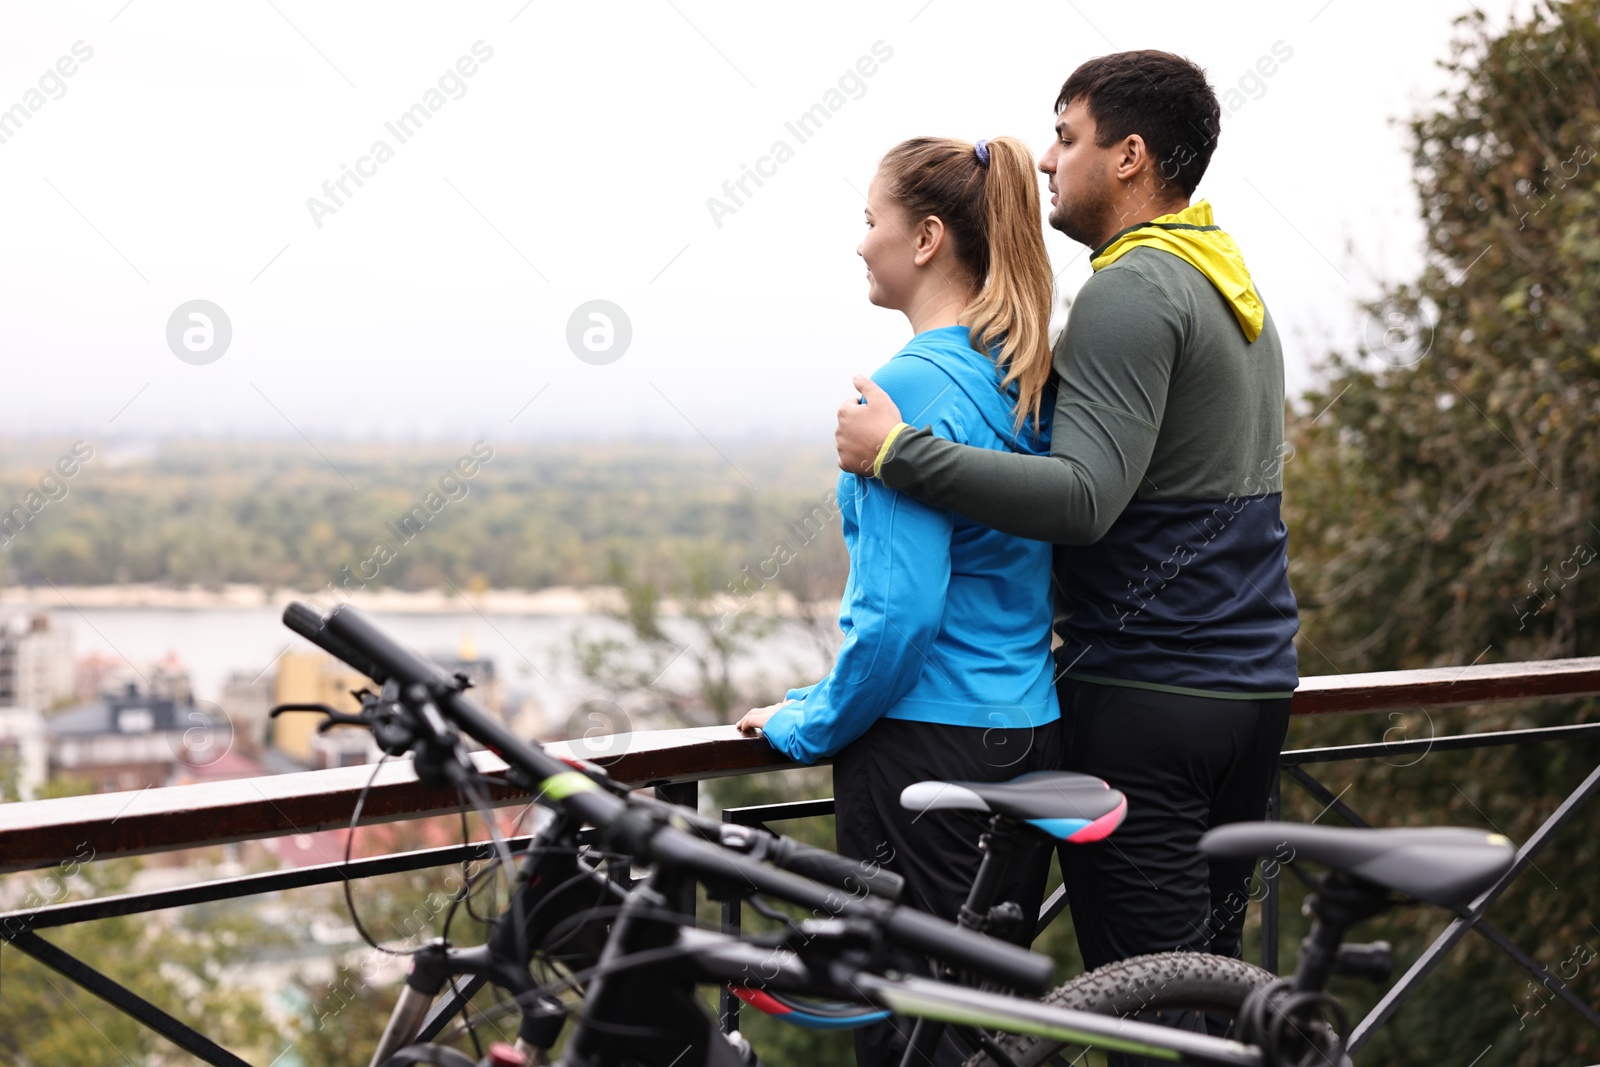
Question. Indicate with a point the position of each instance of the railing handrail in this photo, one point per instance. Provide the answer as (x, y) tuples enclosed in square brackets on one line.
[(43, 833)]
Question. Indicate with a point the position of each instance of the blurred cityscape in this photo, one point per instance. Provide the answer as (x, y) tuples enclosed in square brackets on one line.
[(120, 726)]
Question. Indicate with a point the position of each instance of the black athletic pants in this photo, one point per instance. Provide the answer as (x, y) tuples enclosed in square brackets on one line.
[(935, 851), (1186, 764)]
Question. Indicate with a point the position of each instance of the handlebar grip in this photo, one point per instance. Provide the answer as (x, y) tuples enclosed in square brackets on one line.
[(919, 932), (351, 629), (370, 650), (305, 621), (833, 869)]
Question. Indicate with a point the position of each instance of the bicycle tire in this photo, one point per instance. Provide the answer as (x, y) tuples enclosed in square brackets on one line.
[(435, 1055), (1139, 988)]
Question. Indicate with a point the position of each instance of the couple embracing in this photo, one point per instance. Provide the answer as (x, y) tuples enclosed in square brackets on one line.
[(1124, 486)]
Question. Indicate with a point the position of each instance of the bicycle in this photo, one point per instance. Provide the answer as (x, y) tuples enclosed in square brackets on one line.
[(637, 962), (1370, 871), (1229, 997), (418, 708), (1025, 813)]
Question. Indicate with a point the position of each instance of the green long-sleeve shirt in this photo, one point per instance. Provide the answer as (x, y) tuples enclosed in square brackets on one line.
[(1162, 487)]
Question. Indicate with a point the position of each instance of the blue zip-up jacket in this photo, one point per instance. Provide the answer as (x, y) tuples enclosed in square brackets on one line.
[(945, 621)]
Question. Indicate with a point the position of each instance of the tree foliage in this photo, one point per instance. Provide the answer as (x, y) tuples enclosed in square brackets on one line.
[(1443, 491), (281, 516), (186, 963), (1442, 512)]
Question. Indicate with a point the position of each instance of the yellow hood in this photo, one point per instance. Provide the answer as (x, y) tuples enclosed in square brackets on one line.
[(1193, 237)]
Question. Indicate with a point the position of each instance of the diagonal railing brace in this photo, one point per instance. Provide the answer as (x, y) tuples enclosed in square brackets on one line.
[(124, 999)]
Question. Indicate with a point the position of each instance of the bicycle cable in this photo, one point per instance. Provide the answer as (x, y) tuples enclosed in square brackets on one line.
[(349, 844), (642, 958), (467, 879)]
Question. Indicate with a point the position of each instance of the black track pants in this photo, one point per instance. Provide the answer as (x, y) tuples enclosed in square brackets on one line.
[(935, 851), (1186, 764)]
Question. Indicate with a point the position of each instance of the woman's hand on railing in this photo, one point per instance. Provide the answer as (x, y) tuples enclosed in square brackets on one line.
[(756, 718)]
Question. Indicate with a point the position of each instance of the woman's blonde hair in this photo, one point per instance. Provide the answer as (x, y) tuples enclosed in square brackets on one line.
[(990, 207)]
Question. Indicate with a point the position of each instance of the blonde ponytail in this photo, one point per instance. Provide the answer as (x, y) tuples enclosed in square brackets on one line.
[(1012, 309), (990, 206)]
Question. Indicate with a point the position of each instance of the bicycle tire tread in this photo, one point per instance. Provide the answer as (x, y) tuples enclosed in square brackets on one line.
[(1156, 982)]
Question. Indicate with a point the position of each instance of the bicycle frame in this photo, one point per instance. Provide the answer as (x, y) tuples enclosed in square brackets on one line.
[(1003, 841), (650, 1014), (550, 892)]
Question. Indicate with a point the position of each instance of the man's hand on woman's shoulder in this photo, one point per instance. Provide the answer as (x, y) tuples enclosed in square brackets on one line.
[(863, 427)]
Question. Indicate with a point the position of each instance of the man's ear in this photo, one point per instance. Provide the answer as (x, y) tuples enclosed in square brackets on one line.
[(1133, 157), (927, 239)]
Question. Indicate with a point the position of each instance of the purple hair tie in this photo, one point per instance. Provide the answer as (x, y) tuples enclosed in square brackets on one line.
[(982, 150)]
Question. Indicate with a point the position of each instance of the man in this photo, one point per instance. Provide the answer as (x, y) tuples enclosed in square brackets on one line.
[(1174, 617)]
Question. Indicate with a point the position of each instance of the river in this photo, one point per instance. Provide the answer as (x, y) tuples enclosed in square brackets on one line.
[(531, 652)]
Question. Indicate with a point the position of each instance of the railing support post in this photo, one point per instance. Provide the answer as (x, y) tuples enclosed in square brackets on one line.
[(118, 996), (685, 795), (732, 924), (1269, 897)]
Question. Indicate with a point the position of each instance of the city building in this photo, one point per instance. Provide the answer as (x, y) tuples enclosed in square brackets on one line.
[(99, 674), (24, 752), (245, 700), (36, 667), (132, 739), (293, 740), (316, 678)]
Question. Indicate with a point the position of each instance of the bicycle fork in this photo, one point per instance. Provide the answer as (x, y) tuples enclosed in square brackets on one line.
[(647, 1014), (432, 968)]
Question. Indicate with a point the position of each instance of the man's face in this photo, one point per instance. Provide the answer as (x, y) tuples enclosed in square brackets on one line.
[(1083, 178)]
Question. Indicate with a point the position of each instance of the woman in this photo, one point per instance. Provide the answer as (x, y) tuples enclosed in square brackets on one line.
[(945, 669)]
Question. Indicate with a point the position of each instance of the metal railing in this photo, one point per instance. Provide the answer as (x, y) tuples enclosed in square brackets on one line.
[(38, 834)]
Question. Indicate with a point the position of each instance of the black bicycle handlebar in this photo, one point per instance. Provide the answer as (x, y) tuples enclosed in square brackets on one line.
[(820, 865), (349, 635), (394, 661), (305, 621), (353, 632), (911, 930)]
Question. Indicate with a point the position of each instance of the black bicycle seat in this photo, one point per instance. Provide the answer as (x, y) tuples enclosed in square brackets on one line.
[(1073, 807), (1445, 865)]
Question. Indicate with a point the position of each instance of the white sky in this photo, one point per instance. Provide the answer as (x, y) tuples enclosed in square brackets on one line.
[(577, 166)]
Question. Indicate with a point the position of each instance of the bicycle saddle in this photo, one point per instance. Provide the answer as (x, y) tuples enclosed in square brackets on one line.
[(1072, 807), (1444, 865)]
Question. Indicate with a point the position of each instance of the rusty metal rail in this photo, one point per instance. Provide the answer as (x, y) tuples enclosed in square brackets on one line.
[(41, 833)]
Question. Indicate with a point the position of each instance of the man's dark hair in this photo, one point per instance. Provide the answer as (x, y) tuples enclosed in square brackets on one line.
[(1163, 98)]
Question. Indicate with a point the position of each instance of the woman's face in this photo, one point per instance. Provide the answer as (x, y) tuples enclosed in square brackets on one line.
[(888, 250)]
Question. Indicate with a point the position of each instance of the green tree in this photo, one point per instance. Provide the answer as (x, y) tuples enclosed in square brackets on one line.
[(186, 962), (1442, 511), (1447, 505), (278, 515), (714, 637)]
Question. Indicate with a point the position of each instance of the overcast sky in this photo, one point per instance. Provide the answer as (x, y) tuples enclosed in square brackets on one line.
[(568, 156)]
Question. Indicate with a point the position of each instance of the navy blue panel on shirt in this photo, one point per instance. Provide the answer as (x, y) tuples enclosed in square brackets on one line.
[(1187, 594)]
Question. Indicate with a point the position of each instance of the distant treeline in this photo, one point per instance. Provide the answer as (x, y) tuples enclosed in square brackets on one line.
[(405, 517)]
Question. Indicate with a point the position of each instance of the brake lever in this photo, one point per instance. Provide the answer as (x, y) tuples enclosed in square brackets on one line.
[(331, 719)]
